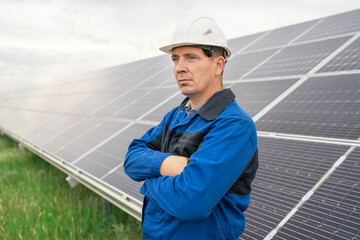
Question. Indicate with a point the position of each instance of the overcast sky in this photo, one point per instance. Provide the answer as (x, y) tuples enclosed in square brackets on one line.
[(42, 40)]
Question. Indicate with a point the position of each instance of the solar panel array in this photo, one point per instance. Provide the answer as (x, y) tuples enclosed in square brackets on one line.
[(301, 85)]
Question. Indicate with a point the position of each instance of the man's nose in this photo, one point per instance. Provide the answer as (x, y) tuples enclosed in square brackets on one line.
[(181, 66)]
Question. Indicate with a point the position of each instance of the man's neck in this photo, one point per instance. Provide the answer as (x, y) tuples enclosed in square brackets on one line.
[(198, 100)]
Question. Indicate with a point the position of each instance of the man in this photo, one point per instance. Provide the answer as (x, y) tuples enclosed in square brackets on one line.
[(199, 162)]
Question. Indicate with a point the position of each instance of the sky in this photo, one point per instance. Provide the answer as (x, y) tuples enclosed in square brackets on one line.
[(45, 40)]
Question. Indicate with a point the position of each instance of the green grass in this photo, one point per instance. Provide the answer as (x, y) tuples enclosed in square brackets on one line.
[(37, 203)]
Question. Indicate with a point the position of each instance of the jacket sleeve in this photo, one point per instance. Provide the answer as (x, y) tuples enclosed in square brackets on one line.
[(227, 149), (144, 158)]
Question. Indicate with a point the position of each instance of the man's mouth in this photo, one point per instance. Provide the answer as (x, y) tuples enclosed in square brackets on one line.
[(184, 80)]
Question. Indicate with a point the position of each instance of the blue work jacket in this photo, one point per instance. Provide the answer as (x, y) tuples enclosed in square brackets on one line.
[(207, 200)]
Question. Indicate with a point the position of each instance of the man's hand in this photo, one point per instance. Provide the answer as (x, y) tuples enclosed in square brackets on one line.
[(173, 165)]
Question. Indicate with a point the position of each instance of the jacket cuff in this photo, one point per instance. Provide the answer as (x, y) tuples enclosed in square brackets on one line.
[(158, 161)]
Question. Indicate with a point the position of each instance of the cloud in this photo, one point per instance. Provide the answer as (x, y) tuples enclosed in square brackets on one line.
[(91, 38), (45, 39), (29, 58)]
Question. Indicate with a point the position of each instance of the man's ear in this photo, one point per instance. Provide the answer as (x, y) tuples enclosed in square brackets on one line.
[(220, 63)]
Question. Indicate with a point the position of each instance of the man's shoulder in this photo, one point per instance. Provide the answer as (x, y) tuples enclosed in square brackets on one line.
[(234, 111), (233, 115)]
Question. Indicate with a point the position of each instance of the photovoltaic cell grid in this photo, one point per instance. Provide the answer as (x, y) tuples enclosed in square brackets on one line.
[(135, 103), (93, 103), (111, 154), (88, 132), (163, 78), (333, 212), (149, 100), (288, 169), (321, 106), (51, 126), (118, 179), (243, 63), (254, 96), (109, 82), (16, 123), (83, 137), (47, 103), (281, 36), (240, 43), (158, 114), (335, 25), (64, 138), (298, 59), (348, 59), (99, 81)]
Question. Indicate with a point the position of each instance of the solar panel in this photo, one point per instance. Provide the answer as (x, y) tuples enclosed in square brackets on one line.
[(112, 154), (254, 96), (93, 103), (84, 125), (242, 43), (16, 122), (164, 78), (322, 106), (349, 59), (333, 212), (146, 101), (298, 59), (119, 180), (335, 25), (46, 103), (281, 36), (84, 136), (288, 169), (243, 63), (45, 131), (158, 114)]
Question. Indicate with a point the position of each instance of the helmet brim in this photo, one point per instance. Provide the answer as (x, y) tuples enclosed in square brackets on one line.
[(168, 48)]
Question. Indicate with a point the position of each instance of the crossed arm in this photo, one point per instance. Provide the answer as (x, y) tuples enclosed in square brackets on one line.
[(204, 181), (173, 165), (144, 162)]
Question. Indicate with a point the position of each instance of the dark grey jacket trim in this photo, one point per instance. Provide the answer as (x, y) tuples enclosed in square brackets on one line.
[(215, 105)]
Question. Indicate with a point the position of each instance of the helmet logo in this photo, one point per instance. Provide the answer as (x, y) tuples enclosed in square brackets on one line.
[(208, 32)]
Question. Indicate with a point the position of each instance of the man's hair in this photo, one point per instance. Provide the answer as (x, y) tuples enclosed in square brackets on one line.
[(217, 52)]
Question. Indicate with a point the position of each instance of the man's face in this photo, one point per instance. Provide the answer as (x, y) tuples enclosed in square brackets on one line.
[(194, 72)]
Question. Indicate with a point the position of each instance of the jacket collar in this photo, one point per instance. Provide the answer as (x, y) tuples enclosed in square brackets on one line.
[(215, 105)]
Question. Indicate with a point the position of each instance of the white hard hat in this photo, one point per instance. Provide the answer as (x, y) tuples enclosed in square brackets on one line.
[(201, 31)]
